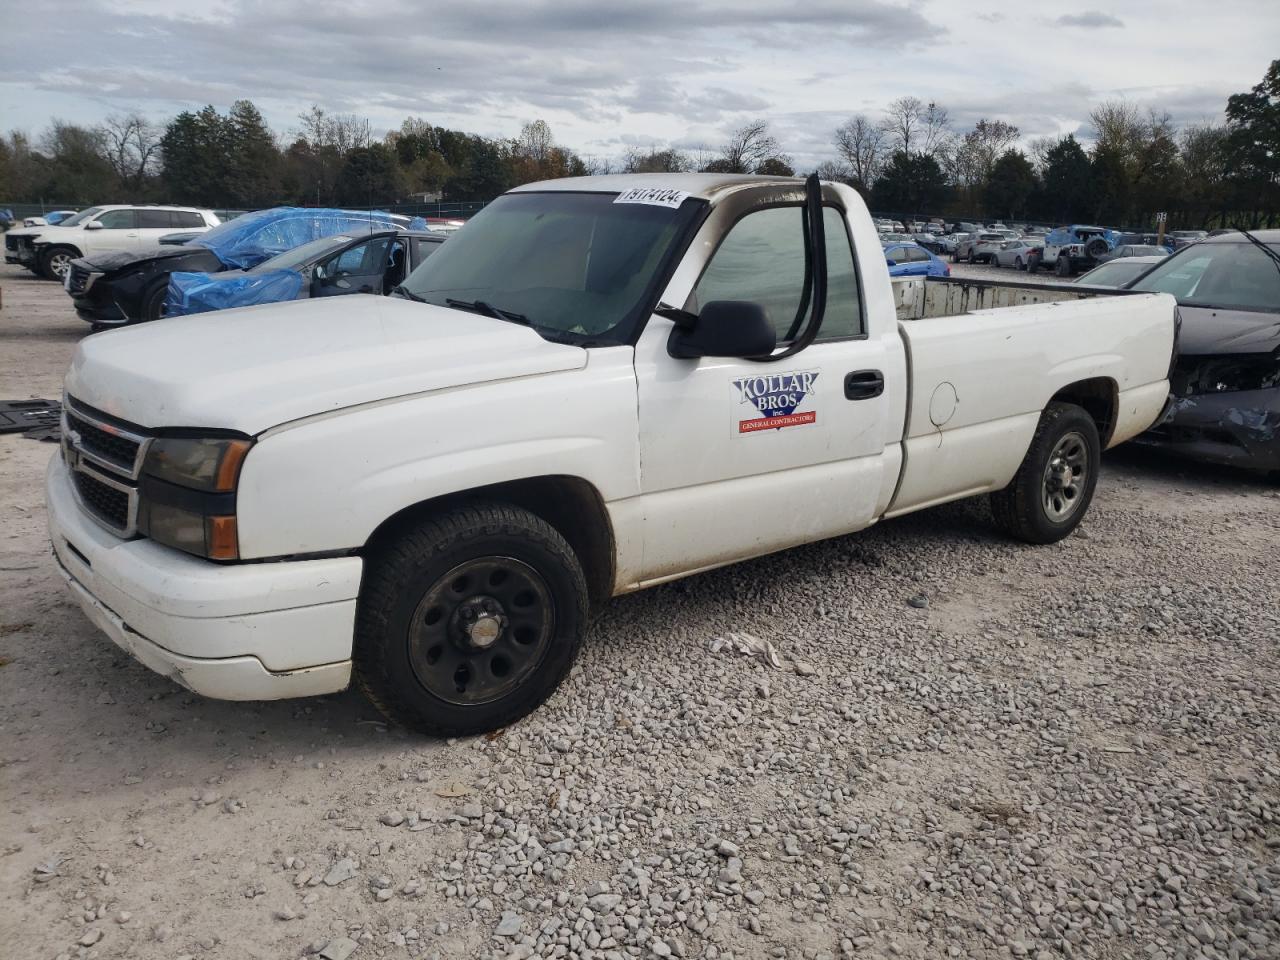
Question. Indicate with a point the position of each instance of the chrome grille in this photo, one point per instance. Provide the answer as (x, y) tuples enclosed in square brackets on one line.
[(106, 502), (105, 458)]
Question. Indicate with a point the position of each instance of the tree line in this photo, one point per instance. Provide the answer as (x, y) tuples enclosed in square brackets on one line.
[(912, 161)]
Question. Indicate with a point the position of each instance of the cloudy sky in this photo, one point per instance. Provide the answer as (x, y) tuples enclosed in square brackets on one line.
[(609, 74)]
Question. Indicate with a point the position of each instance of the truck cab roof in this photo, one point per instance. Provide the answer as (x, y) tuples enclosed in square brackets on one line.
[(704, 186)]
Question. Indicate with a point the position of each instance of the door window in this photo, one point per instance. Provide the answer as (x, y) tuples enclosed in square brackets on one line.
[(364, 259), (155, 219), (118, 219), (762, 260)]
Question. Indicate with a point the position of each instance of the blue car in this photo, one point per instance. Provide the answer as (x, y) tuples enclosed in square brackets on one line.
[(913, 260)]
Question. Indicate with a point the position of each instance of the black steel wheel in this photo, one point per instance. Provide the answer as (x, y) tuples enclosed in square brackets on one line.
[(1052, 490), (468, 621), (481, 630)]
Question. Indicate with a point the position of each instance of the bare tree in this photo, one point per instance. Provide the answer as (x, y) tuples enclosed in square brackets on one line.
[(339, 132), (835, 171), (131, 144), (985, 143), (935, 129), (903, 123), (750, 146), (1038, 149), (599, 166), (862, 145), (655, 161), (535, 141), (1119, 127)]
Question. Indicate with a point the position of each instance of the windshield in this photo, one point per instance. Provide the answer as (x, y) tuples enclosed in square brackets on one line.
[(1233, 275), (1114, 274), (292, 259), (580, 266), (80, 217)]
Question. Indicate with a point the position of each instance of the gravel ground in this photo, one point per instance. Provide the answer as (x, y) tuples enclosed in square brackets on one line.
[(972, 749)]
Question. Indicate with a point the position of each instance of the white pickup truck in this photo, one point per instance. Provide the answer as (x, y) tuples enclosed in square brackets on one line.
[(597, 385)]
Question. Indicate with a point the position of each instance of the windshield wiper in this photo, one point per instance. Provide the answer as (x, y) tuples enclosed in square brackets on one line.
[(403, 291), (480, 306), (1275, 257)]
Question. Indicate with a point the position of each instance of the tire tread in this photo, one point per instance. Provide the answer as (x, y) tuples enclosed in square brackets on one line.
[(392, 561), (1014, 508)]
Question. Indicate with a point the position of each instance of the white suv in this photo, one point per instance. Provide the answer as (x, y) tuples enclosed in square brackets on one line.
[(117, 227)]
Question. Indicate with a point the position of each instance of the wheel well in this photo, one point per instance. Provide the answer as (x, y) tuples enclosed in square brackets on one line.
[(1100, 398), (50, 247), (570, 504)]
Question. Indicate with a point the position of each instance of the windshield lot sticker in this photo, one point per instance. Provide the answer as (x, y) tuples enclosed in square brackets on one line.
[(653, 196), (776, 397)]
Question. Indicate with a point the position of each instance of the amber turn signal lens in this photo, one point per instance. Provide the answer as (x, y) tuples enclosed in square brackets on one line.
[(221, 539), (229, 468)]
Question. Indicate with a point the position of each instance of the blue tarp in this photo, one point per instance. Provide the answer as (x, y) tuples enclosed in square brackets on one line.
[(250, 239), (202, 292)]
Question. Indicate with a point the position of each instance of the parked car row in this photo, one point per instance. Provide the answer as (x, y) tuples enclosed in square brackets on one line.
[(114, 228), (121, 287)]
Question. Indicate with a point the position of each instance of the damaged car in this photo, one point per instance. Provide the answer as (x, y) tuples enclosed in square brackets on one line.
[(1225, 402), (118, 288), (369, 262)]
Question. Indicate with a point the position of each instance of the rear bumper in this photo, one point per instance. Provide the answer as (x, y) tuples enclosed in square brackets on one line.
[(262, 631), (1239, 429)]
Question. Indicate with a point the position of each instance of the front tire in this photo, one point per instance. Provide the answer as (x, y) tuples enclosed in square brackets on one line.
[(469, 621), (153, 300), (55, 262), (1052, 490), (1063, 266), (1018, 264)]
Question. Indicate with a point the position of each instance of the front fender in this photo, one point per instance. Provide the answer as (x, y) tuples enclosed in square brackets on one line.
[(326, 483)]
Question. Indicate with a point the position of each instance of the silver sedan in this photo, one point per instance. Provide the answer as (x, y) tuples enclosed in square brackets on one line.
[(1014, 254)]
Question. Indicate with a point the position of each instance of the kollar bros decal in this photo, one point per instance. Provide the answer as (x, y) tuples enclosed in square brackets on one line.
[(776, 397)]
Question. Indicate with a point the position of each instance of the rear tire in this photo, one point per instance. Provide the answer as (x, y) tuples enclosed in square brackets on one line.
[(1052, 490), (469, 621), (972, 258)]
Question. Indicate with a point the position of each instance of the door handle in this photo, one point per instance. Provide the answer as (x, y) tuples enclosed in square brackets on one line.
[(863, 384)]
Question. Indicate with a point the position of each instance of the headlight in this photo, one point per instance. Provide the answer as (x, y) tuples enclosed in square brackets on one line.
[(188, 495), (212, 465)]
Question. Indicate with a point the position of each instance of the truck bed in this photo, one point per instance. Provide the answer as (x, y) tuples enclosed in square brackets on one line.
[(920, 298), (979, 382)]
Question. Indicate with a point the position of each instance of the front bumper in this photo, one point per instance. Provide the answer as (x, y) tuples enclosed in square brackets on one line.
[(1240, 428), (248, 631)]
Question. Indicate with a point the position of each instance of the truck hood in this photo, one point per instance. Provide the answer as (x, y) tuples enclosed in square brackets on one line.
[(259, 367)]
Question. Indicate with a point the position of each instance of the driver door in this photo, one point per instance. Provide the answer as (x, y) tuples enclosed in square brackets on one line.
[(740, 458), (358, 268)]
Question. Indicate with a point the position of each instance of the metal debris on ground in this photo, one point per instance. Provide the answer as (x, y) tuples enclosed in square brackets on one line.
[(17, 416)]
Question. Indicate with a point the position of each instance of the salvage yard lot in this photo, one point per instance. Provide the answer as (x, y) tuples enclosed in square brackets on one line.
[(973, 748)]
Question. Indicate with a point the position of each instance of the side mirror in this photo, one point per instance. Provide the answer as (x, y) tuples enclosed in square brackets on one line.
[(891, 262), (93, 225), (725, 328)]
